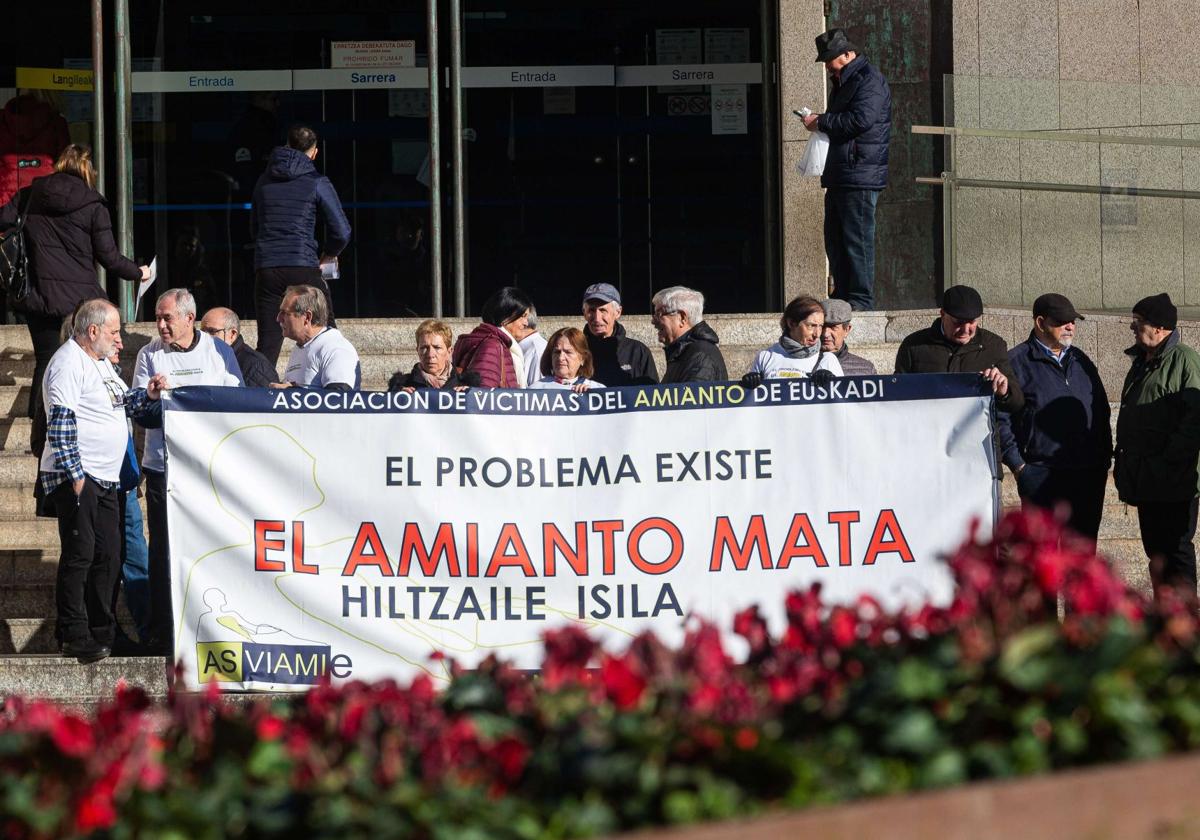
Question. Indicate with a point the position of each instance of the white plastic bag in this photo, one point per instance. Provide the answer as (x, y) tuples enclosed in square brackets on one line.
[(815, 152)]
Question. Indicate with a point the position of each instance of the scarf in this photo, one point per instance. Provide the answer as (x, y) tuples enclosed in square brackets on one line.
[(795, 350), (437, 380)]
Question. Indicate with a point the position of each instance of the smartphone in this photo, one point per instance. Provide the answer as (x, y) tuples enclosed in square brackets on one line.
[(801, 112)]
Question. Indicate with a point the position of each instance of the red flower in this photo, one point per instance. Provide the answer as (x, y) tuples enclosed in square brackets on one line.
[(749, 624), (96, 809), (843, 624), (510, 755), (269, 728), (568, 652), (73, 736), (745, 739), (622, 685)]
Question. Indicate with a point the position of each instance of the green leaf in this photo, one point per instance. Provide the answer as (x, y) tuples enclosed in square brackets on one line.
[(914, 731), (947, 767), (916, 679), (1024, 662)]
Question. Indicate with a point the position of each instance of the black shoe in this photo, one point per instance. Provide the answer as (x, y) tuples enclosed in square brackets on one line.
[(86, 652)]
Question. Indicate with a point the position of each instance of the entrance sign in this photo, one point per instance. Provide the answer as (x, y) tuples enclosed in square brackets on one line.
[(212, 81), (358, 535), (702, 74), (354, 54), (361, 79), (571, 75)]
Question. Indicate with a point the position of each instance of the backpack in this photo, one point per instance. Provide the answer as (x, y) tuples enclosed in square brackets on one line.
[(14, 258)]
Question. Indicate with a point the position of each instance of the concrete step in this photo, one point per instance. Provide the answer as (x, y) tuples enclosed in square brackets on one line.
[(27, 635), (14, 434), (58, 678), (14, 400), (21, 533), (17, 468), (35, 600), (27, 566)]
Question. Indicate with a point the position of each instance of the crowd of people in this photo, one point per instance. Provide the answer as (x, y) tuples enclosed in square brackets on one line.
[(1053, 428)]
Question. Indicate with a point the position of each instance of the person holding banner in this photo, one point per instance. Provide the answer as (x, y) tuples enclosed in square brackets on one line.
[(433, 368), (183, 355), (491, 350), (688, 341), (1059, 446), (567, 362), (1158, 443), (80, 472), (617, 358), (797, 354), (955, 343), (322, 357)]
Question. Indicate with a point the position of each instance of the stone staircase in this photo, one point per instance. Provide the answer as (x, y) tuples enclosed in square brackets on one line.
[(29, 546)]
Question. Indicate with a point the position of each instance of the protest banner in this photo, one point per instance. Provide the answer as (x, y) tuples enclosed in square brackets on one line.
[(360, 535)]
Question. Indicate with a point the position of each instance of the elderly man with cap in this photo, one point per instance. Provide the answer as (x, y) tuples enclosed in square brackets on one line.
[(617, 358), (1158, 443), (1059, 446), (955, 343), (858, 122), (833, 338)]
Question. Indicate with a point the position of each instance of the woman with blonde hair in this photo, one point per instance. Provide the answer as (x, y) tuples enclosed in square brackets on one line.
[(433, 368), (68, 230)]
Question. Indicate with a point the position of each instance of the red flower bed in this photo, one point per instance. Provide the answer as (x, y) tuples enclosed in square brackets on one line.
[(848, 701)]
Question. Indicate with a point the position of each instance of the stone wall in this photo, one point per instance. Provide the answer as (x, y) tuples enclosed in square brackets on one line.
[(1119, 67)]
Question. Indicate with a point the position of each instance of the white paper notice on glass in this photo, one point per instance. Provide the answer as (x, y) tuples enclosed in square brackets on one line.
[(145, 285), (329, 269)]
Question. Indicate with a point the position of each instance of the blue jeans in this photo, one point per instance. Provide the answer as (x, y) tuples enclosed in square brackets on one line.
[(850, 244), (135, 566)]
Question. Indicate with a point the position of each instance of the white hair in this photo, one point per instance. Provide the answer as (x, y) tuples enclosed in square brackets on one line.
[(92, 313), (681, 299), (531, 318), (185, 304)]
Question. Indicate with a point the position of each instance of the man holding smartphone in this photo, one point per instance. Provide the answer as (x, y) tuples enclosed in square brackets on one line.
[(859, 125)]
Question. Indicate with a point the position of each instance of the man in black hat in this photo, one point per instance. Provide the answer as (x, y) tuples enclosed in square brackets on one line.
[(1158, 443), (858, 122), (955, 343), (1059, 446)]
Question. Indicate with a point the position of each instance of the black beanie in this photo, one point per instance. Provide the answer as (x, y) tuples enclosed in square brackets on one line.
[(1157, 310)]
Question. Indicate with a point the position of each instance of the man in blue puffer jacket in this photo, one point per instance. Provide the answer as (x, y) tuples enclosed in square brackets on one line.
[(283, 222), (859, 124), (1059, 445)]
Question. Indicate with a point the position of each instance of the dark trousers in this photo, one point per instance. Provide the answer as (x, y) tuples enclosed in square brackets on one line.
[(162, 621), (269, 286), (43, 331), (1075, 495), (89, 532), (1167, 532), (850, 244)]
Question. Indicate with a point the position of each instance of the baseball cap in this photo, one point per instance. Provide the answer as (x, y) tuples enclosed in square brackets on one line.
[(606, 292)]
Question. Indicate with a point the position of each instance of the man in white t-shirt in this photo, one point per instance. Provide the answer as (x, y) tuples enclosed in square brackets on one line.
[(322, 357), (80, 471), (533, 345), (185, 356)]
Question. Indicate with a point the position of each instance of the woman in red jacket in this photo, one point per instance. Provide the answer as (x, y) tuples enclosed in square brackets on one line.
[(488, 350)]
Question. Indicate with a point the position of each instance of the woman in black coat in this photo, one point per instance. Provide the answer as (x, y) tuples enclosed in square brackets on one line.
[(433, 368), (67, 231)]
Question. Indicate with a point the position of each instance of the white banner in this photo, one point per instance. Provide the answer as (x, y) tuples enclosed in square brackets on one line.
[(359, 534)]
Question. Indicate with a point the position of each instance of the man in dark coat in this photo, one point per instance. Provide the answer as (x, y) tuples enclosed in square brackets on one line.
[(223, 324), (1158, 443), (858, 122), (1059, 446), (955, 343), (616, 358), (689, 343), (283, 220)]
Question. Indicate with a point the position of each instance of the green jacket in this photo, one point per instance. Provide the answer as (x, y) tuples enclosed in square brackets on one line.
[(1158, 429)]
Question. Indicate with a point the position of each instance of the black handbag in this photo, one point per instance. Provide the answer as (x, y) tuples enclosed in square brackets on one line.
[(14, 258)]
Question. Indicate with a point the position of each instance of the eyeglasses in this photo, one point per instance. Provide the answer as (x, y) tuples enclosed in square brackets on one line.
[(214, 331), (663, 313)]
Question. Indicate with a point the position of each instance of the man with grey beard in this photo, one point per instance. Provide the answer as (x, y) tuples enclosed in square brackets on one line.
[(1059, 445)]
